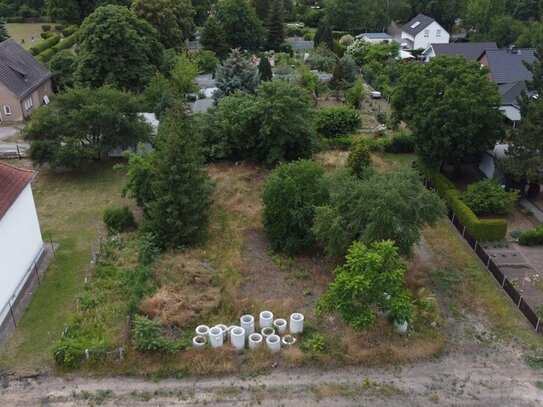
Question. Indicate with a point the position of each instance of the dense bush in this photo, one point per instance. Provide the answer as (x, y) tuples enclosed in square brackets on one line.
[(336, 143), (399, 143), (147, 337), (46, 27), (66, 43), (70, 30), (532, 237), (359, 159), (68, 353), (59, 28), (290, 196), (355, 94), (118, 219), (45, 44), (205, 60), (46, 34), (487, 197), (46, 55), (337, 121)]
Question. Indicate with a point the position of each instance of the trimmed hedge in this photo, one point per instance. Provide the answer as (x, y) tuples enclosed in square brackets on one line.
[(46, 55), (67, 43), (70, 30), (480, 229), (532, 237), (46, 44)]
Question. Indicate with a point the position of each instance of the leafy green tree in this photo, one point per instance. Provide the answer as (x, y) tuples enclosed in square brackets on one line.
[(214, 37), (452, 109), (118, 49), (487, 197), (3, 31), (359, 159), (84, 124), (506, 30), (173, 19), (337, 121), (170, 186), (206, 61), (290, 195), (183, 73), (444, 11), (265, 70), (236, 73), (324, 35), (383, 206), (242, 27), (202, 9), (357, 15), (64, 11), (156, 93), (276, 33), (355, 94), (369, 276), (63, 66)]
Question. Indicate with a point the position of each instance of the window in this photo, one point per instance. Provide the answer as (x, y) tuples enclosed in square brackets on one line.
[(28, 104), (46, 99), (426, 33), (7, 110), (438, 33)]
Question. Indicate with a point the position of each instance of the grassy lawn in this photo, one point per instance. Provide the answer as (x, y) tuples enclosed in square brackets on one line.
[(70, 209), (26, 31)]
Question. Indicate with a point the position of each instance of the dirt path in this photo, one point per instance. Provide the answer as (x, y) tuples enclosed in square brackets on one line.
[(491, 379)]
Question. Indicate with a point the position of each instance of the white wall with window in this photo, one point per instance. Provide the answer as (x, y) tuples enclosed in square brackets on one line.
[(7, 110), (433, 34), (28, 103)]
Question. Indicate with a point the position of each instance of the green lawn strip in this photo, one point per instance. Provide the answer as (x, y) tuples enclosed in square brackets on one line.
[(70, 209)]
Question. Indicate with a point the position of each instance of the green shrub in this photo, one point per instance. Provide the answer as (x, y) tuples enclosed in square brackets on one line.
[(59, 28), (147, 337), (45, 44), (487, 197), (68, 353), (291, 193), (359, 159), (70, 30), (337, 121), (205, 60), (46, 27), (118, 219), (148, 248), (355, 94), (46, 55), (400, 143), (309, 36), (66, 43), (336, 143), (314, 342), (532, 237), (139, 284), (46, 34), (15, 20)]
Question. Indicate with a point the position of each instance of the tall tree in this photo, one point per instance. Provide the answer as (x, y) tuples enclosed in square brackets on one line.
[(169, 184), (452, 109), (324, 35), (117, 48), (262, 8), (242, 27), (63, 66), (83, 124), (276, 33), (214, 37), (236, 73), (173, 19), (265, 69)]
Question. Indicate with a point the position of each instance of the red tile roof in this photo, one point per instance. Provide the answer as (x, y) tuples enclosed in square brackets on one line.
[(12, 182)]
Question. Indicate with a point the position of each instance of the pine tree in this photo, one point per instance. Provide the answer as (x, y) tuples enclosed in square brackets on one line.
[(3, 31), (324, 35), (214, 37), (262, 8), (237, 73), (276, 33), (265, 69)]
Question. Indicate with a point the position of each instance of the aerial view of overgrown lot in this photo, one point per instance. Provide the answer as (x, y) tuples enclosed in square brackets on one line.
[(300, 189)]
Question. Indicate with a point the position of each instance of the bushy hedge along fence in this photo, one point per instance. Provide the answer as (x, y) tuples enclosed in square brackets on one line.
[(67, 43), (45, 44), (481, 229)]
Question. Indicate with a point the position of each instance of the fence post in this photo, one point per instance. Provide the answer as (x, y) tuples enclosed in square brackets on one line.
[(453, 217), (475, 247), (87, 354), (503, 282), (121, 353), (488, 262), (11, 312), (537, 325), (463, 230), (37, 273), (519, 301), (18, 152)]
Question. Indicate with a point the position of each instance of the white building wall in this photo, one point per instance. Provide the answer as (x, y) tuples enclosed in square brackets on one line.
[(422, 41), (20, 244)]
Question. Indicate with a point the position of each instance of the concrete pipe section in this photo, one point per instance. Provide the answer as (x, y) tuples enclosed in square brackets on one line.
[(229, 330), (274, 343), (202, 330), (224, 333), (267, 331), (237, 338), (400, 327), (255, 340), (247, 322), (199, 341), (288, 340), (296, 323), (266, 319), (280, 325), (216, 337)]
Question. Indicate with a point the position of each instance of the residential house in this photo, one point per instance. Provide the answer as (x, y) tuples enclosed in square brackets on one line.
[(374, 38), (21, 243), (25, 84), (469, 50), (422, 31)]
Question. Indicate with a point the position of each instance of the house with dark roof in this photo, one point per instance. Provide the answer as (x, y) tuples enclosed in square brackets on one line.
[(25, 84), (374, 38), (21, 244), (507, 65), (469, 50), (422, 31)]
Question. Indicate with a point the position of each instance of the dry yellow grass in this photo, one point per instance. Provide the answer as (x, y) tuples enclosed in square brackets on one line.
[(332, 159)]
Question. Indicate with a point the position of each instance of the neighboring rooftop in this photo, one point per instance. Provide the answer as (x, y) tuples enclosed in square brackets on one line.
[(301, 45), (507, 65), (417, 24), (469, 50), (375, 36), (510, 92), (20, 72), (12, 182)]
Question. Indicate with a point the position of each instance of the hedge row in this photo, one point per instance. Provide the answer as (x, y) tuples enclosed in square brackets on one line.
[(67, 43), (70, 30), (532, 237), (45, 44), (480, 229)]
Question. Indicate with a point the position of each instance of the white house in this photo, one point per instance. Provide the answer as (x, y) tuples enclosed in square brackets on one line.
[(374, 38), (20, 236), (422, 31)]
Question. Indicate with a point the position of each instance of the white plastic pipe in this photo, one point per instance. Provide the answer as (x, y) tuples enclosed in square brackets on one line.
[(255, 340), (296, 323), (199, 341), (224, 333), (229, 329), (400, 327), (280, 325), (274, 343), (202, 330), (247, 322), (216, 337), (266, 319), (288, 340), (237, 338), (267, 331)]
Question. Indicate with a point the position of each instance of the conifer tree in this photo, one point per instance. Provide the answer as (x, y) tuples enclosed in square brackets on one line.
[(3, 31), (324, 35), (276, 33), (214, 37), (265, 69)]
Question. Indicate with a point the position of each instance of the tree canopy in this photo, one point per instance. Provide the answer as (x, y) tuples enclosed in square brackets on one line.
[(452, 109), (242, 27), (214, 37), (236, 73)]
